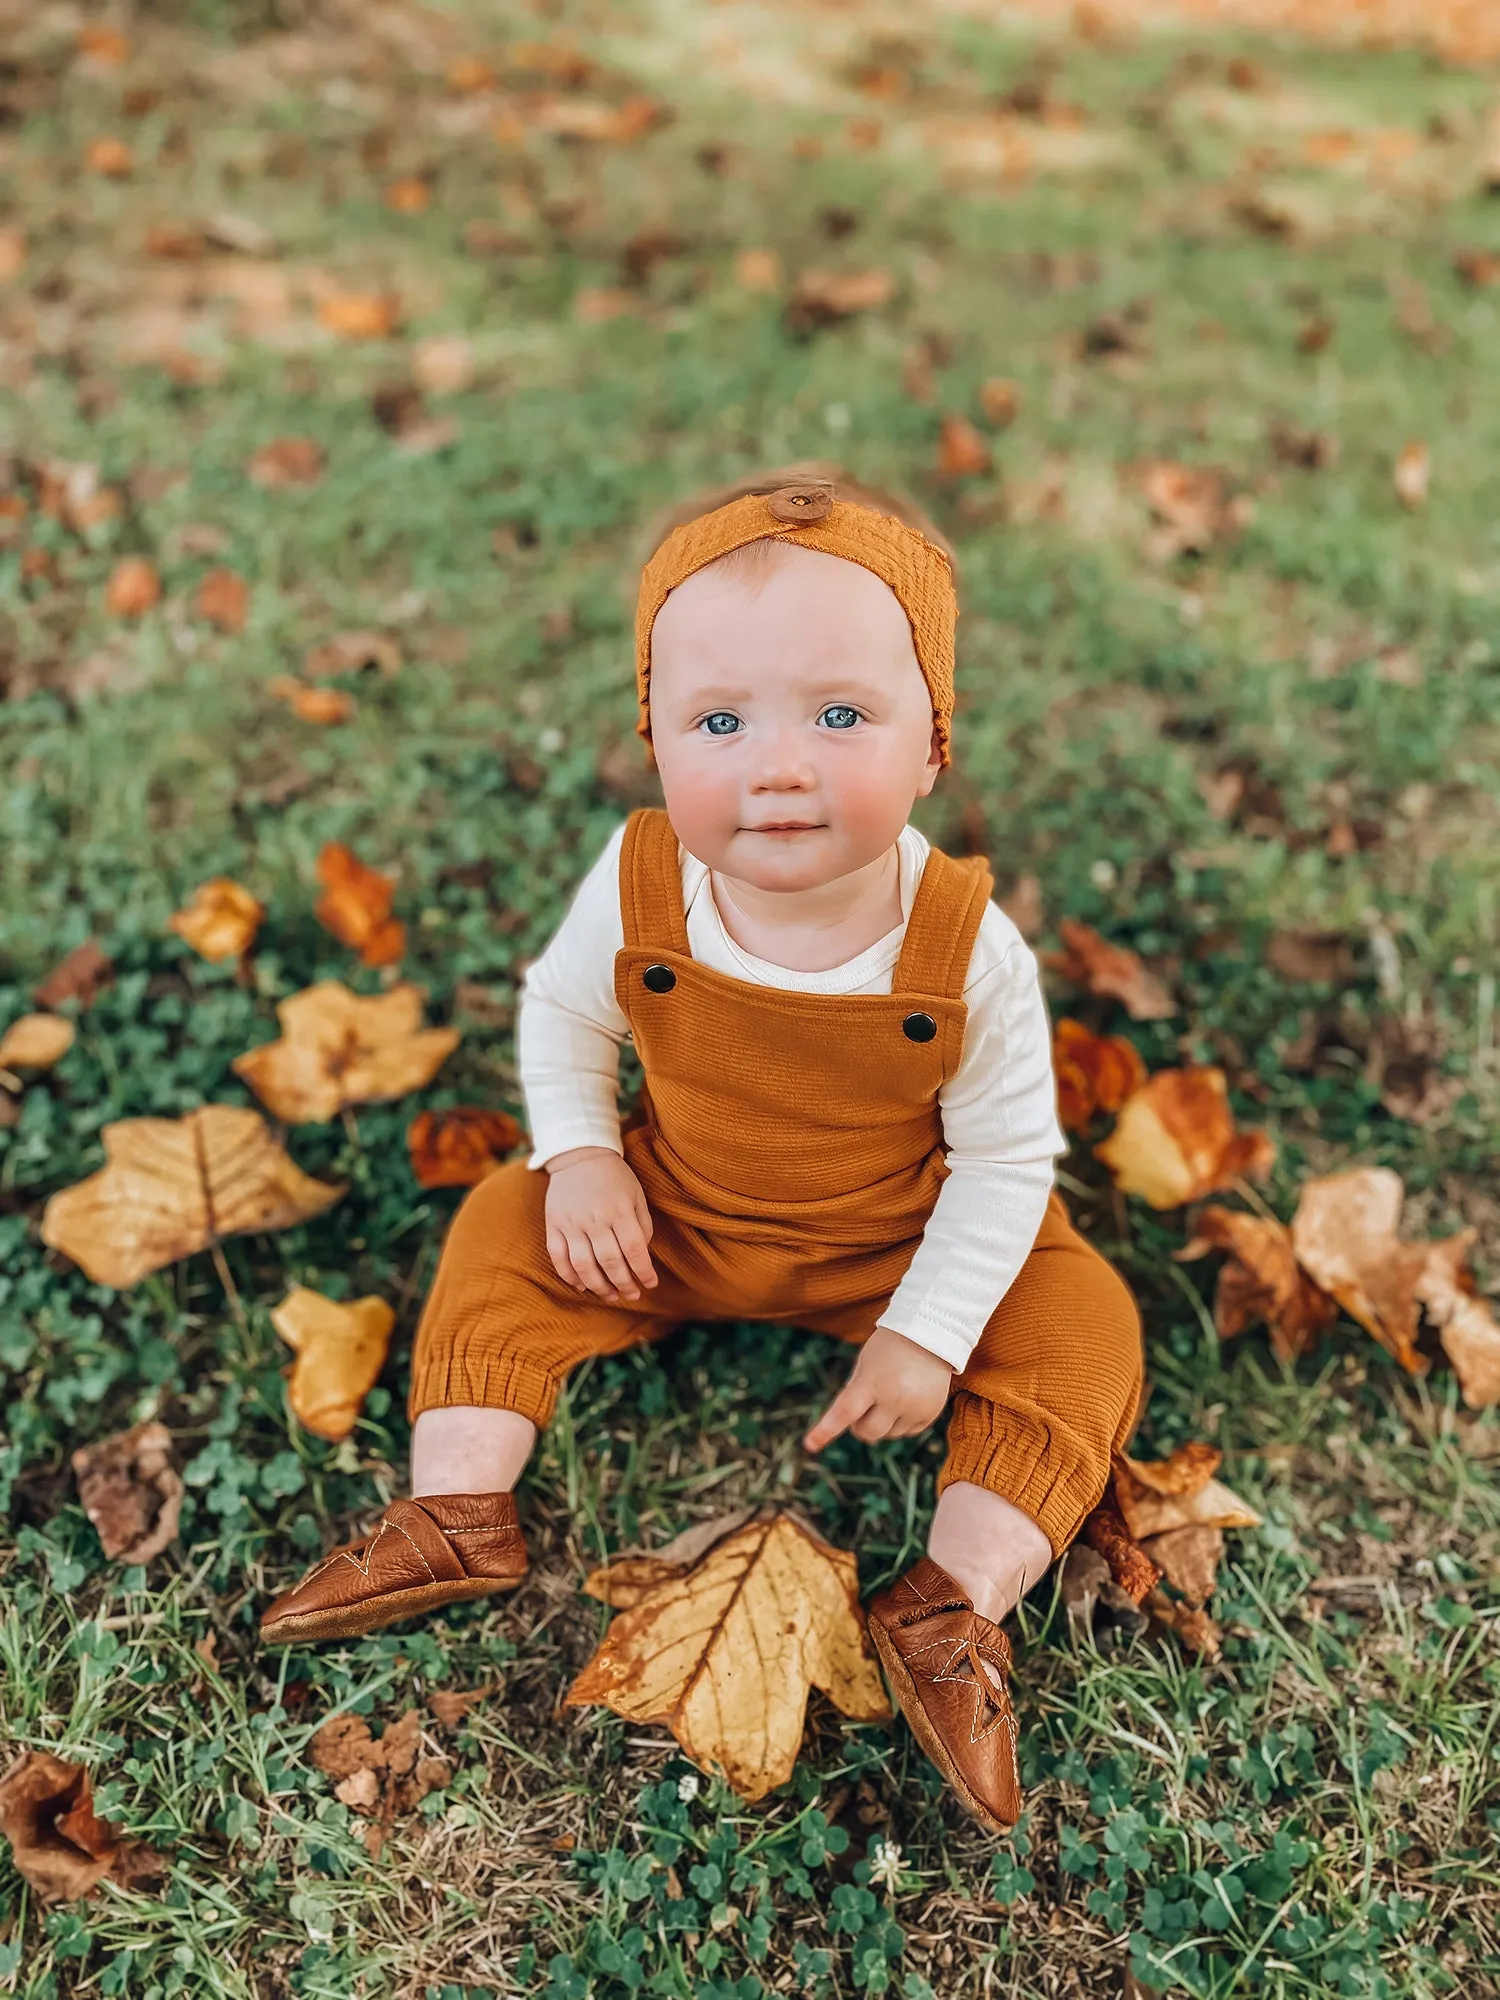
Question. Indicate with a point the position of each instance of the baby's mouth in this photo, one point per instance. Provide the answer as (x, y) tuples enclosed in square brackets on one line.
[(787, 826)]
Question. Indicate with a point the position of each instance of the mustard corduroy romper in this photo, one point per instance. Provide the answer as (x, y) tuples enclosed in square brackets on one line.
[(790, 1149)]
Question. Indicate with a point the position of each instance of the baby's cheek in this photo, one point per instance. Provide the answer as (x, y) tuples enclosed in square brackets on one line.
[(700, 799)]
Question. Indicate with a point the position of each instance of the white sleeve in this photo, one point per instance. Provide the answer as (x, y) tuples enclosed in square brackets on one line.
[(1000, 1124), (569, 1025)]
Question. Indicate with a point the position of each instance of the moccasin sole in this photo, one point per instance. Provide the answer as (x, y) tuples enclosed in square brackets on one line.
[(350, 1621), (910, 1703)]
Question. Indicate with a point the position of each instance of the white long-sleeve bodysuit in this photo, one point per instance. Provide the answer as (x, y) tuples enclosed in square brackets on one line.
[(999, 1109)]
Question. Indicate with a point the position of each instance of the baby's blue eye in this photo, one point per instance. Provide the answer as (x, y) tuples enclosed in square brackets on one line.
[(723, 722), (839, 715)]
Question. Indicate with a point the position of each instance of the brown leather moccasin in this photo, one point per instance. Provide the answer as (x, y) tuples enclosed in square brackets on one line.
[(932, 1643), (420, 1554)]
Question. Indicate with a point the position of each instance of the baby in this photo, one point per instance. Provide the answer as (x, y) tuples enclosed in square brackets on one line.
[(848, 1119)]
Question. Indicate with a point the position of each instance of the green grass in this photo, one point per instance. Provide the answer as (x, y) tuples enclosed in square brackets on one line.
[(1318, 1812)]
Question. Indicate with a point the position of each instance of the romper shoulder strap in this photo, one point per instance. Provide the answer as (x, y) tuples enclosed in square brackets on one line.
[(651, 884), (944, 922)]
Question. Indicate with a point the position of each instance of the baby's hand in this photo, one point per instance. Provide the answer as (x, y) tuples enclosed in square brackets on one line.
[(598, 1224), (895, 1389)]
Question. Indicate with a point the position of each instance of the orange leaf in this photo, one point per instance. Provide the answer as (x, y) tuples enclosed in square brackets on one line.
[(1261, 1280), (339, 1048), (1176, 1139), (36, 1041), (356, 905), (352, 653), (1178, 1491), (724, 1654), (757, 270), (1413, 471), (1000, 400), (408, 197), (105, 46), (468, 74), (361, 315), (172, 1186), (110, 157), (340, 1349), (1094, 1072), (223, 599), (221, 919), (78, 976), (458, 1147), (962, 450), (12, 252), (133, 587), (1478, 268), (1105, 1532), (287, 461), (308, 704), (820, 297), (1344, 1234), (1091, 962), (58, 1843)]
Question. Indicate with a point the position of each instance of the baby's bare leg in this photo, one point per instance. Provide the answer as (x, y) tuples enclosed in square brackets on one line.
[(465, 1449), (994, 1550)]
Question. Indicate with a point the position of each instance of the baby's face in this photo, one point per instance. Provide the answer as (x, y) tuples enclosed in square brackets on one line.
[(790, 720)]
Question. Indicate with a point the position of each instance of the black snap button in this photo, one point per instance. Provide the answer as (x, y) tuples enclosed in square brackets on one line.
[(919, 1027), (659, 978)]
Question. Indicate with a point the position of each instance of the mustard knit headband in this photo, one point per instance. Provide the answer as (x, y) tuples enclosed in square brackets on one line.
[(916, 569)]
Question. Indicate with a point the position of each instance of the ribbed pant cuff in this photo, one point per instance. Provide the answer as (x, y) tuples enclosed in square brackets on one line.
[(1041, 1470), (499, 1382)]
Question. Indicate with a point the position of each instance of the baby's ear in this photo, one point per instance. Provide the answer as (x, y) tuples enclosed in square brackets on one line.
[(933, 765)]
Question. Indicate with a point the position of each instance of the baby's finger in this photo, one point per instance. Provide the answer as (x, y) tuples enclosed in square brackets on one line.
[(846, 1408), (562, 1263), (610, 1257), (633, 1243), (587, 1266), (873, 1427)]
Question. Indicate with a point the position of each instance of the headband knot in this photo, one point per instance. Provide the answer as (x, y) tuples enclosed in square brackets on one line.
[(808, 511)]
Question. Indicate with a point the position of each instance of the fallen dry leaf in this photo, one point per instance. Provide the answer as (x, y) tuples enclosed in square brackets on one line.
[(1192, 1627), (1193, 504), (356, 905), (1086, 1581), (410, 196), (443, 364), (1179, 1491), (1000, 399), (130, 1491), (725, 1653), (110, 157), (172, 1186), (219, 920), (1094, 1072), (78, 976), (596, 305), (35, 1041), (59, 1845), (287, 461), (1344, 1234), (757, 270), (1479, 268), (223, 599), (590, 118), (1326, 956), (459, 1146), (360, 315), (133, 587), (378, 1777), (963, 451), (12, 252), (106, 47), (1098, 966), (340, 1349), (1189, 1558), (1176, 1139), (626, 1578), (1104, 1531), (318, 705), (1413, 471), (339, 1048), (820, 297), (352, 653), (452, 1705), (1261, 1280)]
